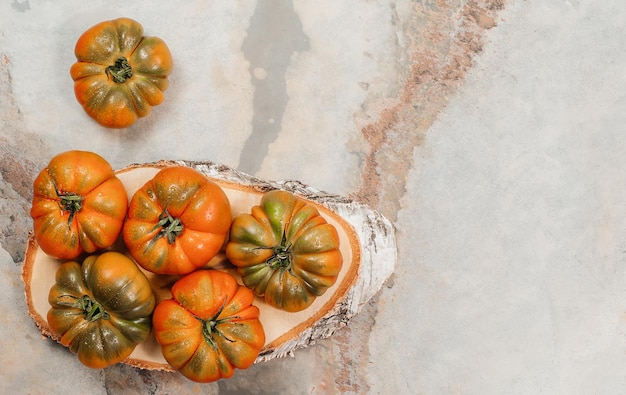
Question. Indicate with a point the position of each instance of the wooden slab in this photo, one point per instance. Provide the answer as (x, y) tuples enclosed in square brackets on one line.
[(367, 243)]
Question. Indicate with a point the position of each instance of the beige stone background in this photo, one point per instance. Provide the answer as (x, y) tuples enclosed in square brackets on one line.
[(490, 132)]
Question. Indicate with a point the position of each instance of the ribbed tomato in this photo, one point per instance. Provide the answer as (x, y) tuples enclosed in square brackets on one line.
[(79, 205), (120, 74), (210, 327), (101, 309), (285, 251), (177, 222)]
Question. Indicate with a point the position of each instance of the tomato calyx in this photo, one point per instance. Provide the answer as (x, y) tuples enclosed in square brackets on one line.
[(281, 254), (120, 71), (92, 310), (69, 201), (210, 330), (281, 257), (171, 227)]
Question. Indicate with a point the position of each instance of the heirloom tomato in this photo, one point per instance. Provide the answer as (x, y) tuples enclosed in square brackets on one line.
[(79, 205), (120, 74), (285, 251), (209, 327), (177, 222), (101, 309)]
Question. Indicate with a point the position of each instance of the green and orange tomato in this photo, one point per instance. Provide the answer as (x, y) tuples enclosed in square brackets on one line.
[(177, 221), (101, 309), (120, 74), (285, 251), (79, 205), (209, 327)]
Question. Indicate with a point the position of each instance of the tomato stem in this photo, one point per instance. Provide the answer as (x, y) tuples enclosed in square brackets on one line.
[(91, 309), (210, 330), (281, 257), (120, 71), (69, 201), (170, 227)]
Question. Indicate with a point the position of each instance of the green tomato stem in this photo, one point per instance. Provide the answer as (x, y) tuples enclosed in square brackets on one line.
[(281, 257), (92, 310), (281, 254), (171, 228), (210, 330), (69, 201), (120, 71)]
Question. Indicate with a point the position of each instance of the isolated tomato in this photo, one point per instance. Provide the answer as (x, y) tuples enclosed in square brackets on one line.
[(285, 251), (101, 309), (120, 74), (78, 205), (177, 222), (210, 327)]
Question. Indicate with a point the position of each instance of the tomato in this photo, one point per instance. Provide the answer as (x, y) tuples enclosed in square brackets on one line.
[(120, 74), (177, 222), (285, 251), (210, 327), (101, 309), (79, 205)]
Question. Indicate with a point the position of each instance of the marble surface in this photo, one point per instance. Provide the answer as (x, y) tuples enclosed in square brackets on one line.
[(490, 132)]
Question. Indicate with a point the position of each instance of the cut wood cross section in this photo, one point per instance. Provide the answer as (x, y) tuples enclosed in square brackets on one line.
[(367, 243)]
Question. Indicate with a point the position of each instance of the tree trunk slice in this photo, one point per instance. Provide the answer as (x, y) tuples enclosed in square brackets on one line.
[(367, 243)]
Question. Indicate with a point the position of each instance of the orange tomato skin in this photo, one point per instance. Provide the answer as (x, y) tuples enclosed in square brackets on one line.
[(210, 327), (118, 104), (66, 233), (198, 205)]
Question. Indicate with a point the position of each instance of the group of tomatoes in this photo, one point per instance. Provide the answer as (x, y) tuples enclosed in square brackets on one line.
[(102, 303)]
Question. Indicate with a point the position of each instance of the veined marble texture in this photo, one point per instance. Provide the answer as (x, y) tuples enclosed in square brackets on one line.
[(490, 132)]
